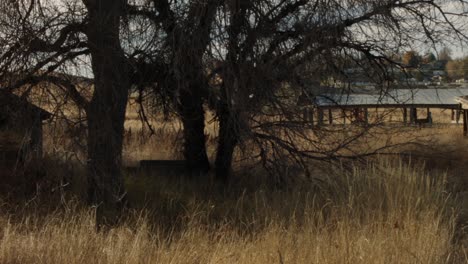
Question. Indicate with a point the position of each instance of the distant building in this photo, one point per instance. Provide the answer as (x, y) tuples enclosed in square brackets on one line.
[(20, 129), (438, 73)]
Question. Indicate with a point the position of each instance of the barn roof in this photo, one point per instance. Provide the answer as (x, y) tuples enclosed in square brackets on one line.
[(442, 98), (16, 103)]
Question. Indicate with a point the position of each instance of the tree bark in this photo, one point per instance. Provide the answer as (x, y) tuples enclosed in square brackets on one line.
[(193, 120), (227, 142), (106, 111)]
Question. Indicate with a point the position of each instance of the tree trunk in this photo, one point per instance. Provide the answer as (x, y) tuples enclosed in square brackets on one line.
[(190, 40), (106, 111), (229, 133), (227, 114), (105, 183), (227, 141), (193, 120)]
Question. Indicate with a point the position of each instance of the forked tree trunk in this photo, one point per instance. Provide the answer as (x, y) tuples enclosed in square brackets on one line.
[(193, 120), (190, 40), (106, 111)]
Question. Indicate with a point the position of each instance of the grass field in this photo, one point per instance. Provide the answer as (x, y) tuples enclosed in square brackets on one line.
[(385, 213), (406, 208)]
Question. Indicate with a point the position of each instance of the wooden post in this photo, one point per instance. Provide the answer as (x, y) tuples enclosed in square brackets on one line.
[(330, 116), (320, 116), (405, 116), (429, 115), (411, 116), (465, 125), (357, 115), (366, 115), (457, 116), (453, 115), (344, 117), (311, 116)]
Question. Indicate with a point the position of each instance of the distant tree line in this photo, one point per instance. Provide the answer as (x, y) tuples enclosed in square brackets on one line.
[(457, 69), (414, 62)]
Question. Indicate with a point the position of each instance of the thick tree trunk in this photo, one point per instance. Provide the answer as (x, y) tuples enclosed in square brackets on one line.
[(193, 120), (105, 136), (106, 111), (227, 141)]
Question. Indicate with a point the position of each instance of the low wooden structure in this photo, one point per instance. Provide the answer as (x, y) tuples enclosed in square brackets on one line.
[(20, 129), (410, 101)]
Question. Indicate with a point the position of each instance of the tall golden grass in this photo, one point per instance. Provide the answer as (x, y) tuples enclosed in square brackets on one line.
[(384, 212), (387, 211)]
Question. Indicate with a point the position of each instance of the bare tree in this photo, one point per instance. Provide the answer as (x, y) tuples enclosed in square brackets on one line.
[(52, 34), (259, 49), (187, 28), (106, 110), (268, 47), (248, 60)]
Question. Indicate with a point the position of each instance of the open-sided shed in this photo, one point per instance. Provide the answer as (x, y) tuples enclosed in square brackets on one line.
[(396, 98), (409, 100)]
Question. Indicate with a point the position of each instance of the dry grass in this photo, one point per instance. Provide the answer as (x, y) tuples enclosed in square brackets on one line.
[(384, 212), (387, 212)]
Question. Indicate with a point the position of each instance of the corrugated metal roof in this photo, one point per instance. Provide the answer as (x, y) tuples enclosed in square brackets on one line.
[(395, 97)]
